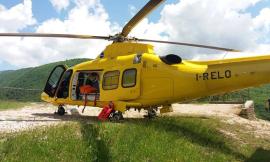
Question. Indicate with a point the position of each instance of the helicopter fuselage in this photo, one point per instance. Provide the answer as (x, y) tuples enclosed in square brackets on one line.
[(132, 75)]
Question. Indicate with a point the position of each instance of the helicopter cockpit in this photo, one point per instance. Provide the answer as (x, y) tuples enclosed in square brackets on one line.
[(58, 83)]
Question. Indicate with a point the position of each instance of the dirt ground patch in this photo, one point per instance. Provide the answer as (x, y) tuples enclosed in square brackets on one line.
[(42, 114), (227, 113)]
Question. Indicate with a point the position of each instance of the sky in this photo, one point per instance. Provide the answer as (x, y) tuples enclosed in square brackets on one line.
[(241, 24)]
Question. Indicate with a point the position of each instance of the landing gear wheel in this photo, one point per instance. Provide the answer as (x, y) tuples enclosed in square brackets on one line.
[(116, 116), (151, 114), (61, 111)]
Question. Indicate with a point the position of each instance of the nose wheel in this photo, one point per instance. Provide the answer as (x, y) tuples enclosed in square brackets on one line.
[(61, 110)]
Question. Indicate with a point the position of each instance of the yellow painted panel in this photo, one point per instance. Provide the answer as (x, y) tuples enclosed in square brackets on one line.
[(157, 88)]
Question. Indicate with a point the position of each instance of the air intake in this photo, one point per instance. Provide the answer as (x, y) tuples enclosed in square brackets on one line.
[(171, 59)]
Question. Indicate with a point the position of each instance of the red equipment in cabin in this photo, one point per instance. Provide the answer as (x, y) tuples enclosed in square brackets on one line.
[(87, 90), (107, 109)]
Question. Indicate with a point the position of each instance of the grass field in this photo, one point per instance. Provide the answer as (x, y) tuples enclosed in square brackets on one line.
[(162, 139), (10, 104)]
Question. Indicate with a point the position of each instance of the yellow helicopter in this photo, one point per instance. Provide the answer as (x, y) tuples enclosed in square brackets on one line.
[(128, 74)]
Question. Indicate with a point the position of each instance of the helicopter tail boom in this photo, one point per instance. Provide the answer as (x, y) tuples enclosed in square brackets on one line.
[(233, 74)]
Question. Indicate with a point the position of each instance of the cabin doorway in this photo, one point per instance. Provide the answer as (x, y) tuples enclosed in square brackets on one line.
[(86, 78)]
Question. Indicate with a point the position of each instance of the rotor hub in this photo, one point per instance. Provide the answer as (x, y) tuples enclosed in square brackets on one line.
[(120, 38)]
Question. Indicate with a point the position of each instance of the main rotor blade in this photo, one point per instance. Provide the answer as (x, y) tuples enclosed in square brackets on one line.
[(150, 6), (190, 44), (76, 36)]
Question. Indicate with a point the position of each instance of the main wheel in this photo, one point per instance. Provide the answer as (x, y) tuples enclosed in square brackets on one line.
[(151, 114), (61, 111), (116, 116)]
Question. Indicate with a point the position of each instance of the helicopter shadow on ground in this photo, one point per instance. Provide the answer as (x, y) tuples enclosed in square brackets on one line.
[(89, 125), (80, 118), (56, 117), (90, 135), (94, 119)]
